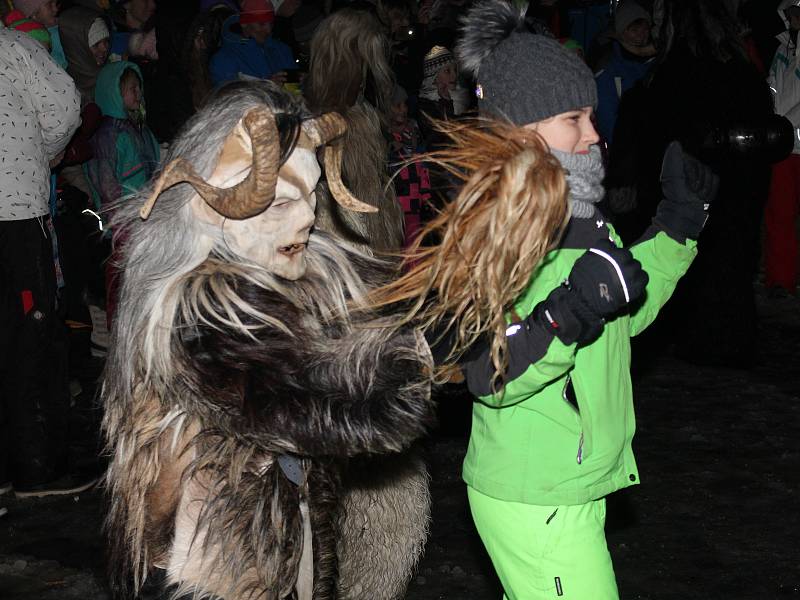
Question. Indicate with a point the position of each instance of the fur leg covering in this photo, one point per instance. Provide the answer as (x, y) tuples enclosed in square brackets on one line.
[(383, 525)]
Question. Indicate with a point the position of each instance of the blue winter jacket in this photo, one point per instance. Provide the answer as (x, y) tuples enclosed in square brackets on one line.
[(241, 56)]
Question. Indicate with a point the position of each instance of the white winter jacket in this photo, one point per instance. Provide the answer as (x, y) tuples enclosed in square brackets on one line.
[(39, 112), (784, 76)]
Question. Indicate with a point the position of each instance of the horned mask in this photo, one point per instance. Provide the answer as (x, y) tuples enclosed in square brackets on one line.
[(256, 139)]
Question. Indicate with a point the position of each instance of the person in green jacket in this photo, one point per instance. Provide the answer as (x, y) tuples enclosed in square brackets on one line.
[(550, 443), (553, 418)]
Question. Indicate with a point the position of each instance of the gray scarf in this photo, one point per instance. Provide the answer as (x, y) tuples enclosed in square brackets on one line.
[(584, 174)]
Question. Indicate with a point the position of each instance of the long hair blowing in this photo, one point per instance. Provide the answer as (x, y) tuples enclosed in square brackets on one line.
[(508, 214)]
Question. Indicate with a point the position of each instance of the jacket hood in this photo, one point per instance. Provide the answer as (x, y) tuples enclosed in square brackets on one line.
[(107, 94), (73, 25), (782, 10), (229, 36)]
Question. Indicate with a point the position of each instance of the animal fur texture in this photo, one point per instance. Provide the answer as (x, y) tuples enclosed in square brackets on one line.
[(483, 28), (364, 171), (216, 369), (350, 74), (385, 502), (386, 512), (241, 396)]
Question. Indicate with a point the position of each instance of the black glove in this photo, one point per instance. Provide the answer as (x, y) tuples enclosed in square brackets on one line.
[(603, 281), (688, 187), (607, 278)]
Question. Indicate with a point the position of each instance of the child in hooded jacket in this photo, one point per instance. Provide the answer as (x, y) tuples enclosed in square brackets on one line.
[(125, 151)]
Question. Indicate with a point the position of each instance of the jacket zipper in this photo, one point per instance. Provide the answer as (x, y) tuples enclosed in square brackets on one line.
[(565, 396)]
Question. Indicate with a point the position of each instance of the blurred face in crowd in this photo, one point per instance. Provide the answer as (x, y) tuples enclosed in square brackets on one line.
[(446, 79), (571, 131), (100, 51), (260, 32), (399, 23), (141, 10), (793, 15), (47, 13), (399, 113), (131, 90), (637, 33)]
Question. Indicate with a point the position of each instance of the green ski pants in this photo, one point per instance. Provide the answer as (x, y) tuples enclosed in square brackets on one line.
[(546, 552)]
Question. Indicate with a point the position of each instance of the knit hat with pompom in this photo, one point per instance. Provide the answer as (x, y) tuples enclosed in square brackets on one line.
[(521, 76)]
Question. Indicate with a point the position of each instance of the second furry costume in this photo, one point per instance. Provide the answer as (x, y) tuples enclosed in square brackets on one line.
[(350, 74), (386, 498)]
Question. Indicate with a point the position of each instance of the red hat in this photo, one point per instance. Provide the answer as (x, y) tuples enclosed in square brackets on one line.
[(17, 20), (256, 11)]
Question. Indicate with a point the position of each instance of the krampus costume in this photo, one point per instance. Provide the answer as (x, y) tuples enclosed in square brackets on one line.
[(237, 385)]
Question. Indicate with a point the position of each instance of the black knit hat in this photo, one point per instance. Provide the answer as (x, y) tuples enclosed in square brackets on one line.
[(521, 76)]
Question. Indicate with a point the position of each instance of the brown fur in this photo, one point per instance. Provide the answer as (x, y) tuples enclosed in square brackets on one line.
[(350, 74), (364, 172), (163, 499), (386, 502)]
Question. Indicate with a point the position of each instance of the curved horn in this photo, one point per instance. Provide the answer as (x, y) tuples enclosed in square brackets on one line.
[(325, 128), (247, 198), (333, 171), (321, 131)]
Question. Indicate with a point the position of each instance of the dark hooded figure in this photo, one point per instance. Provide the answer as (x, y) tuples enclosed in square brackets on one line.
[(704, 87), (85, 37)]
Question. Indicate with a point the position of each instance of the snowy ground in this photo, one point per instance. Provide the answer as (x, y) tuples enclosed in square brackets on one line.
[(717, 515)]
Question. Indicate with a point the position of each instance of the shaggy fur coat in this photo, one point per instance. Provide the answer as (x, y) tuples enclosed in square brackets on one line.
[(196, 485)]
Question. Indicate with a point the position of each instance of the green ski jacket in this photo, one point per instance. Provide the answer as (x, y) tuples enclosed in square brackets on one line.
[(560, 432)]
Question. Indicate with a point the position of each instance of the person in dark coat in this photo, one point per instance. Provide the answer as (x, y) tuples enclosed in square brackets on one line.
[(704, 83)]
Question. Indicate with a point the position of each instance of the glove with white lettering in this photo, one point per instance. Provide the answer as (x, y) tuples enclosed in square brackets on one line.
[(602, 283), (688, 187)]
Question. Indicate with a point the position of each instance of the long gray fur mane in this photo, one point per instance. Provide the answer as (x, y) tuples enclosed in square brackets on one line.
[(159, 254)]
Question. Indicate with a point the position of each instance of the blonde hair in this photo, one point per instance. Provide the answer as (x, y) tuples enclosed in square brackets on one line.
[(509, 213)]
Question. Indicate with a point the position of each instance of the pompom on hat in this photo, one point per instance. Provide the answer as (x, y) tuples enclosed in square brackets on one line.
[(16, 20), (521, 76), (256, 11)]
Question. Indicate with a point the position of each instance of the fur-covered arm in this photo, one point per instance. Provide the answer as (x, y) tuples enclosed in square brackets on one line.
[(300, 390)]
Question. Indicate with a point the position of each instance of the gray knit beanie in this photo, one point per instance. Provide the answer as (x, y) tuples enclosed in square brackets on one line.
[(521, 76)]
